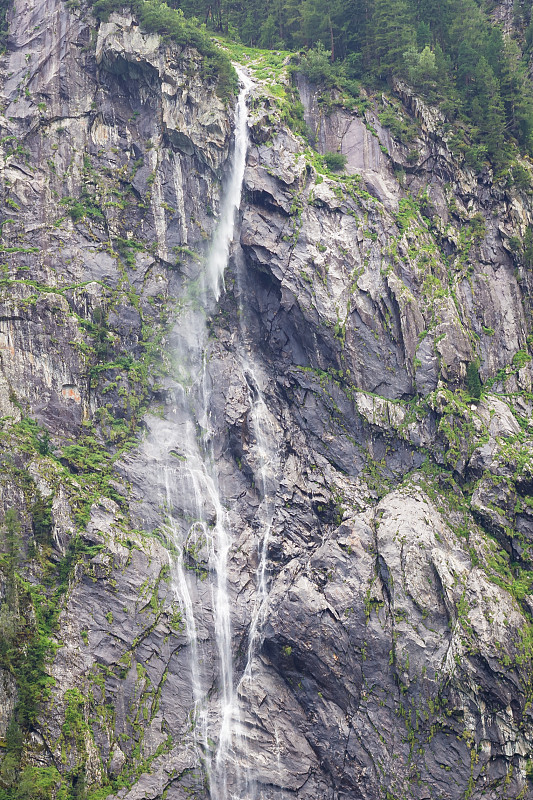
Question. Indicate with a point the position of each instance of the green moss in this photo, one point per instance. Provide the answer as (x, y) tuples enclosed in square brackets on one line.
[(521, 358), (127, 249), (39, 783), (85, 206), (28, 620), (392, 118), (75, 727)]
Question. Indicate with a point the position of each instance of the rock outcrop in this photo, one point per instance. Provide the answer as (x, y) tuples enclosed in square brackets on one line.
[(379, 518)]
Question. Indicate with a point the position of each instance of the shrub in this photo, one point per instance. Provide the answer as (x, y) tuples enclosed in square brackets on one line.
[(473, 381), (79, 208), (521, 358), (521, 177), (400, 128), (528, 248), (475, 156), (316, 65), (41, 511), (39, 783), (335, 161)]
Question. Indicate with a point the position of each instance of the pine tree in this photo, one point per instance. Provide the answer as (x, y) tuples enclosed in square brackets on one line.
[(473, 381), (268, 34), (467, 60), (314, 23), (421, 67), (488, 111), (392, 35), (517, 94)]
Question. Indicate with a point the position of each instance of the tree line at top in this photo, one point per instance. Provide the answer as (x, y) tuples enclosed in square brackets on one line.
[(450, 50)]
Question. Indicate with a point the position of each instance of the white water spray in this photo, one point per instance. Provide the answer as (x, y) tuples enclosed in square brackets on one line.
[(196, 492), (181, 591), (266, 431), (192, 490), (219, 252)]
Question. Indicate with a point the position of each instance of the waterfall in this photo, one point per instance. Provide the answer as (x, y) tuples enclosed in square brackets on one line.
[(219, 252), (183, 596), (265, 429), (196, 517), (215, 268)]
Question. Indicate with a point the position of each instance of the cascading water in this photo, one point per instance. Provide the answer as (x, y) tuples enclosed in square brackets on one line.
[(183, 596), (216, 265), (197, 522), (220, 248), (193, 498), (266, 431)]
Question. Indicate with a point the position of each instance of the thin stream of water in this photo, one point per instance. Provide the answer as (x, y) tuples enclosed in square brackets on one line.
[(216, 265), (265, 430), (192, 490), (220, 248)]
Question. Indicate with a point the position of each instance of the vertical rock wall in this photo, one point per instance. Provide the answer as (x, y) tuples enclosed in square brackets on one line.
[(395, 656)]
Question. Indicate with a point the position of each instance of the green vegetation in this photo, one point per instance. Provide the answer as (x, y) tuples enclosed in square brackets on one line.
[(109, 370), (270, 70), (92, 461), (523, 248), (391, 117), (473, 382), (127, 249), (41, 511), (477, 75), (38, 783), (4, 6), (28, 618), (335, 161), (83, 207)]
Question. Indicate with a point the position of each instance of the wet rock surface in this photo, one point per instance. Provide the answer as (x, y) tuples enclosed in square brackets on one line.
[(324, 418)]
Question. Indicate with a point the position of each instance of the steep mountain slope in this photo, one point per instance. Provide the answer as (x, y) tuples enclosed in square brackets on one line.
[(268, 543)]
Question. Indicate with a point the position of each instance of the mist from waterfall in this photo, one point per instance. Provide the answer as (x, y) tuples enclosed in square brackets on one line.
[(266, 432), (197, 524), (192, 496), (220, 247)]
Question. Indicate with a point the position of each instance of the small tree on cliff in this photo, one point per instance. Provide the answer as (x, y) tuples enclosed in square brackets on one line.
[(473, 381)]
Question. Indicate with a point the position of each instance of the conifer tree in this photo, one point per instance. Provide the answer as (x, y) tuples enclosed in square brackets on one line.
[(473, 382), (456, 54), (487, 111), (392, 35), (517, 94)]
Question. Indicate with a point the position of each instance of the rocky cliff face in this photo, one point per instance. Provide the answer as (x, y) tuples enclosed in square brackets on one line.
[(272, 546)]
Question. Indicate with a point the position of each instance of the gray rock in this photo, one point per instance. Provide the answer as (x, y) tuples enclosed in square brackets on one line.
[(378, 520)]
